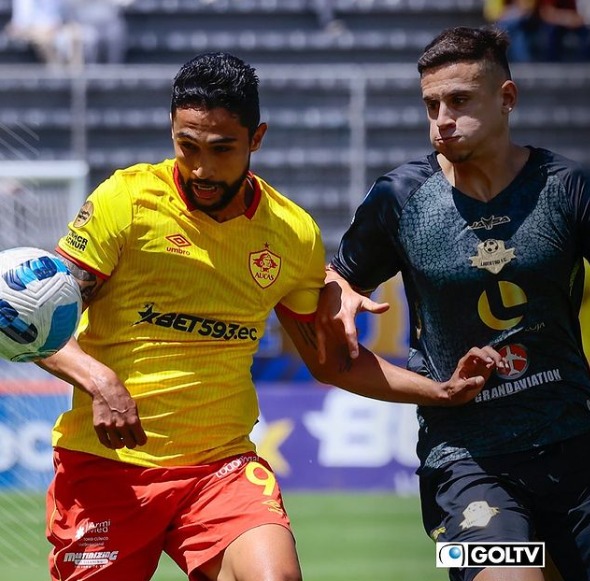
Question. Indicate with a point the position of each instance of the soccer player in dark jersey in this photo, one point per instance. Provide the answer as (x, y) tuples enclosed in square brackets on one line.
[(489, 237)]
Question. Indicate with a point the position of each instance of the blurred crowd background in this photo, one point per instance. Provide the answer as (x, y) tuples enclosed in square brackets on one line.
[(96, 31)]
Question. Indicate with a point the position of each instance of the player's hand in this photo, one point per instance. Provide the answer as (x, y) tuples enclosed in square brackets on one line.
[(471, 373), (115, 416), (114, 413), (335, 318)]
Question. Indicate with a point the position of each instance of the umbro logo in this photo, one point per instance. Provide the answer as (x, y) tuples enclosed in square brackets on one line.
[(179, 242)]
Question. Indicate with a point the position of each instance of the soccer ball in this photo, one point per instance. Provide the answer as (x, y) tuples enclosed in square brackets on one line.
[(40, 304)]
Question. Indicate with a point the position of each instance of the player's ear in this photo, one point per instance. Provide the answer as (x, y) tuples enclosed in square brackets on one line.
[(256, 140), (509, 96)]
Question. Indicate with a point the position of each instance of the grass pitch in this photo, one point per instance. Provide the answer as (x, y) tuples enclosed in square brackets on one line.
[(340, 537)]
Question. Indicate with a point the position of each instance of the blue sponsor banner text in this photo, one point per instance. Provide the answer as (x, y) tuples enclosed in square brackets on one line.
[(314, 437)]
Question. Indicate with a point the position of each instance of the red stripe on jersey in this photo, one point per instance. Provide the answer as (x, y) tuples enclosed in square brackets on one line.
[(251, 209), (83, 266), (308, 318)]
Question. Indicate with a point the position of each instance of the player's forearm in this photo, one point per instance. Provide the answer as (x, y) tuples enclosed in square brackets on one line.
[(114, 412), (75, 366), (372, 376)]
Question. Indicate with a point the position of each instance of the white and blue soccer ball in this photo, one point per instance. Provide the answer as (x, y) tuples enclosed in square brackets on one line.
[(40, 304)]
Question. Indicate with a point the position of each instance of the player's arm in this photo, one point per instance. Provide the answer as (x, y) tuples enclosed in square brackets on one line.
[(372, 376), (88, 282), (115, 416), (335, 319)]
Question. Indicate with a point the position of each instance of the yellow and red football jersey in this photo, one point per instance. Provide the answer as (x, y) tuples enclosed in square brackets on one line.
[(183, 309)]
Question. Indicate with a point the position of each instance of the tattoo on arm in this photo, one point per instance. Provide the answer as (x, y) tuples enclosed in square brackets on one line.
[(88, 282), (346, 363), (307, 331)]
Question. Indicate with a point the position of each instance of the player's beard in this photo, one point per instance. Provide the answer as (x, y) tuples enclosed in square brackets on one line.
[(230, 191)]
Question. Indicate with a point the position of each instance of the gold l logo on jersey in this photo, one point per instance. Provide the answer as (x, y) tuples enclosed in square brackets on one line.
[(492, 255), (510, 297)]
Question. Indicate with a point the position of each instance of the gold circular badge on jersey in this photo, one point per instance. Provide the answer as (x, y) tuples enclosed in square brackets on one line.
[(84, 215)]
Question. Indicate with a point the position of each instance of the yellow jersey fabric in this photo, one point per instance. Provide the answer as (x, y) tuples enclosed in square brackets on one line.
[(183, 309), (585, 311)]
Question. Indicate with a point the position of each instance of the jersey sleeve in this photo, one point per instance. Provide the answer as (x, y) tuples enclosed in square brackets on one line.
[(580, 185), (97, 234), (302, 301), (368, 254), (576, 187)]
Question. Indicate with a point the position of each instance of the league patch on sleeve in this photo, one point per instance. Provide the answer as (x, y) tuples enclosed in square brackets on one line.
[(84, 215)]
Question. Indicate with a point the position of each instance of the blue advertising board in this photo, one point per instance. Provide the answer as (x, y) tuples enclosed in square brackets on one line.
[(326, 438), (314, 437)]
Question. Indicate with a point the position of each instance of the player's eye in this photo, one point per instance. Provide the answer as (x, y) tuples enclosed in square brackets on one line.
[(432, 106), (187, 145)]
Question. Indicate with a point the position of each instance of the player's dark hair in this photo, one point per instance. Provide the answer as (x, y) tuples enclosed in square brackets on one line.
[(464, 44), (212, 80)]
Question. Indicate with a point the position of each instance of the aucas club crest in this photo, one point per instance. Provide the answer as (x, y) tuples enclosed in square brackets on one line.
[(264, 267)]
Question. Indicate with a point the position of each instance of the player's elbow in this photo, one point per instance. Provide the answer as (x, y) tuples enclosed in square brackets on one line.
[(330, 372)]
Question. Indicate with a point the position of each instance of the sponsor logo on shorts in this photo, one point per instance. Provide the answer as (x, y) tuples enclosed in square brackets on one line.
[(99, 528), (480, 555), (91, 558), (478, 514), (437, 533), (235, 464), (274, 506)]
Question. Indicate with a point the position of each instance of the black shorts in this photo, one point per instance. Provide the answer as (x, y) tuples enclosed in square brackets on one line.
[(535, 495)]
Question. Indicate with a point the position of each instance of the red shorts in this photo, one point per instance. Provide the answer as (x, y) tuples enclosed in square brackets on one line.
[(112, 520)]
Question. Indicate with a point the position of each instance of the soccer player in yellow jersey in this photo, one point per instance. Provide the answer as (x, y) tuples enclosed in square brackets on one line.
[(180, 264)]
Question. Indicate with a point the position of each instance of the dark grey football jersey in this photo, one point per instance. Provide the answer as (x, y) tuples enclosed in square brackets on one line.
[(507, 273)]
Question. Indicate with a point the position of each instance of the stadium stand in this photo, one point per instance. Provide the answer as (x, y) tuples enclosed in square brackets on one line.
[(288, 31), (342, 106)]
